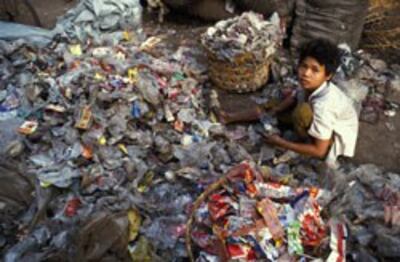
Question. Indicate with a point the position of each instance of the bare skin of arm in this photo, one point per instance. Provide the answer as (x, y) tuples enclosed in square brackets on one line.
[(254, 114), (285, 104), (318, 148)]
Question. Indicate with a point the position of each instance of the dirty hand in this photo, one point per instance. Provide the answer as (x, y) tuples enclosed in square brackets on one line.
[(273, 139), (273, 111)]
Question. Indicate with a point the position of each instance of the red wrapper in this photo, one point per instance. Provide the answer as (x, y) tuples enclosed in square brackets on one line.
[(218, 206), (251, 190), (338, 242), (72, 207), (202, 239), (241, 251), (313, 229)]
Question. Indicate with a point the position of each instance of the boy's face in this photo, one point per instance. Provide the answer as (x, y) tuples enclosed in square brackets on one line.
[(312, 74)]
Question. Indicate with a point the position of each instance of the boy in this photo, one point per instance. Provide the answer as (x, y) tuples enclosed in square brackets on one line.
[(323, 114)]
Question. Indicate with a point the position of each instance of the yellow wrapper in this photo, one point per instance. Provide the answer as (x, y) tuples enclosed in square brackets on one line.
[(76, 50)]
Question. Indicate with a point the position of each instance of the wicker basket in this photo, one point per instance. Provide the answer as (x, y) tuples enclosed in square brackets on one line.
[(382, 28), (242, 75)]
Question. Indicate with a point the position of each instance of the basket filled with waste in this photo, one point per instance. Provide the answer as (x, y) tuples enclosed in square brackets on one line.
[(245, 217), (240, 51)]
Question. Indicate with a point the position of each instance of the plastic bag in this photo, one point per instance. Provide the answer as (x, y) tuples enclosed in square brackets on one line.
[(35, 35), (329, 19), (92, 18), (10, 140)]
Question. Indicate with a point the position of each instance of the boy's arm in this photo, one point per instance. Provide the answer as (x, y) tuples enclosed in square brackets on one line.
[(319, 148), (285, 104), (251, 114)]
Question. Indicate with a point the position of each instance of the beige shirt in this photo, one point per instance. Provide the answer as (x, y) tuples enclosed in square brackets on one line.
[(334, 116)]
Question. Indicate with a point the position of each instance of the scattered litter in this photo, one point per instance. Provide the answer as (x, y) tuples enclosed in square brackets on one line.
[(115, 144), (246, 33)]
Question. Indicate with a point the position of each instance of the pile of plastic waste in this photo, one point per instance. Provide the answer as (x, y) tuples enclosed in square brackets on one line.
[(248, 33), (105, 147), (250, 219), (366, 198), (371, 83), (95, 20)]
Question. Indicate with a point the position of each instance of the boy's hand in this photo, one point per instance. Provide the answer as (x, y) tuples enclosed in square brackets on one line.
[(273, 139), (273, 111)]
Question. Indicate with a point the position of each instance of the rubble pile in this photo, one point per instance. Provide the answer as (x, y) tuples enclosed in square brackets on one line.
[(105, 147)]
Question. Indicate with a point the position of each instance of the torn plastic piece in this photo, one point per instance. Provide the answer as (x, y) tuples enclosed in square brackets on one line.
[(294, 240), (338, 242), (142, 250), (72, 207), (268, 249), (75, 50), (58, 176), (134, 223), (28, 127), (268, 211), (84, 118)]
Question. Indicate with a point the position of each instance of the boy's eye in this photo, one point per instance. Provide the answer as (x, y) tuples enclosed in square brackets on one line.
[(315, 69)]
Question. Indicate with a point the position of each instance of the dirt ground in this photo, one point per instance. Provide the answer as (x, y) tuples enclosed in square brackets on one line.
[(377, 143), (50, 11)]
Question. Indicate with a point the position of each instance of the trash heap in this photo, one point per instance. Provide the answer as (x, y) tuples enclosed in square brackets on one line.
[(248, 33), (246, 218), (371, 83), (367, 199), (114, 145), (115, 142), (100, 123), (100, 20)]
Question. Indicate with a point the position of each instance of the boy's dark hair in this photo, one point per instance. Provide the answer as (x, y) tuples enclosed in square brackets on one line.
[(324, 51)]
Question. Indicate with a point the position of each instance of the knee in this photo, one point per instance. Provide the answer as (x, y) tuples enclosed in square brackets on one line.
[(303, 114)]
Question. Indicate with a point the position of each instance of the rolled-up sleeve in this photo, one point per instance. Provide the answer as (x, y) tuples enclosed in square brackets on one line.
[(322, 124)]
